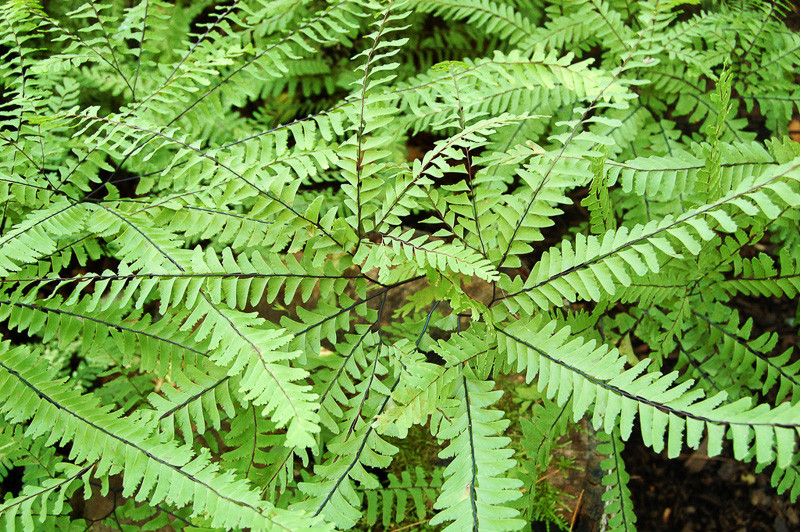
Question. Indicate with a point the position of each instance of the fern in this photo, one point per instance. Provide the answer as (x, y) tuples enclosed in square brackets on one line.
[(247, 249), (474, 492), (617, 497)]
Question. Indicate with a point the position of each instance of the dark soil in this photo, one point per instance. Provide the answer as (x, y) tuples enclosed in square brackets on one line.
[(697, 493)]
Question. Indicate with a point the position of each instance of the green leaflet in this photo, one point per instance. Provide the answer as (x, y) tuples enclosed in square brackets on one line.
[(598, 201)]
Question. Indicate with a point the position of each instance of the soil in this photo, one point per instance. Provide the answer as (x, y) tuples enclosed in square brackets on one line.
[(697, 493), (691, 493)]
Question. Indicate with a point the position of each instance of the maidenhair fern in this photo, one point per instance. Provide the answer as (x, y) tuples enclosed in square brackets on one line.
[(247, 247)]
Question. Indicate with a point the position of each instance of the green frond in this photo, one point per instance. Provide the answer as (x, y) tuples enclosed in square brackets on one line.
[(251, 251), (392, 502), (155, 471), (475, 493), (493, 18), (749, 363), (569, 367), (617, 497)]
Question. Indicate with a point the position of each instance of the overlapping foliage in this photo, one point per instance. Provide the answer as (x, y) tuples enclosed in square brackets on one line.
[(247, 246)]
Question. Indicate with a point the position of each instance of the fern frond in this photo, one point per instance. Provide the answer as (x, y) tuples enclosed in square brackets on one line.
[(493, 18), (392, 502), (153, 470), (475, 494), (617, 496), (568, 367), (241, 310)]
